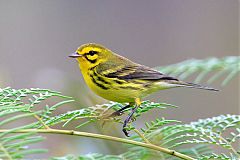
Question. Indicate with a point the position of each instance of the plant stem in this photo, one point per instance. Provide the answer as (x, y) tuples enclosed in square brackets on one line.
[(142, 136), (41, 121), (105, 137), (7, 156)]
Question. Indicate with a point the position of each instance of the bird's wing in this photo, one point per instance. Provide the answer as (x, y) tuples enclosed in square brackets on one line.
[(131, 72)]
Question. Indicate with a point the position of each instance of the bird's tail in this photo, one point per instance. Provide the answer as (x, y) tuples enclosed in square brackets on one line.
[(193, 85)]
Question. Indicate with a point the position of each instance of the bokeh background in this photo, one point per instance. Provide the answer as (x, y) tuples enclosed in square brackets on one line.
[(36, 37)]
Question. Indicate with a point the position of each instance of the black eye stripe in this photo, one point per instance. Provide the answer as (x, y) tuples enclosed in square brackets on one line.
[(90, 60)]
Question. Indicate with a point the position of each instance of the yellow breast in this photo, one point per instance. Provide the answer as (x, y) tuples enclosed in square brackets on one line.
[(111, 89)]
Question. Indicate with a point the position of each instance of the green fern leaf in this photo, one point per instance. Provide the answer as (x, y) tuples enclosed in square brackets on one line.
[(227, 65)]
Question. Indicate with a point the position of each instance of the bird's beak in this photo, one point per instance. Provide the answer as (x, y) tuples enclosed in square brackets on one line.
[(74, 55)]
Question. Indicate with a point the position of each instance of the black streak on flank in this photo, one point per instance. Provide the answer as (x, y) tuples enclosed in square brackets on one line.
[(98, 84), (100, 78)]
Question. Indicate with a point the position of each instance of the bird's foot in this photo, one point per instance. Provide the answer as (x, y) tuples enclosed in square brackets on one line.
[(125, 127), (125, 132)]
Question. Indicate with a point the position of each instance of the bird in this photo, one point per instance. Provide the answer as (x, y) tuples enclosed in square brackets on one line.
[(116, 78)]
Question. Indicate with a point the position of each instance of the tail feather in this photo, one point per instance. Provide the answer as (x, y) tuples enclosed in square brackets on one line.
[(193, 85), (198, 86)]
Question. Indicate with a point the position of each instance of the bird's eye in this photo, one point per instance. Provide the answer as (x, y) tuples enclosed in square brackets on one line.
[(92, 53)]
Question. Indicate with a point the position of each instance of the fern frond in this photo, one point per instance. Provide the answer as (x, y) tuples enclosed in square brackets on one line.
[(13, 146), (193, 151), (211, 131), (197, 150), (154, 125), (222, 66), (16, 105), (70, 116), (216, 157), (195, 139), (97, 112), (147, 106), (23, 100)]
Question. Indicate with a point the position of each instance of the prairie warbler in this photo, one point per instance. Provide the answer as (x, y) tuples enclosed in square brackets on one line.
[(118, 79)]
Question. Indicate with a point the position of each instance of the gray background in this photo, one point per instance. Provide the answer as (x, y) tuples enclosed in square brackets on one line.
[(37, 36)]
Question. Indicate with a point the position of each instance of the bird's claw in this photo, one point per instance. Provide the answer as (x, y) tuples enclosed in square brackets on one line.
[(125, 132)]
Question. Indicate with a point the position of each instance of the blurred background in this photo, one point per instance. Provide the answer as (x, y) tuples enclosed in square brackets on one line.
[(37, 36)]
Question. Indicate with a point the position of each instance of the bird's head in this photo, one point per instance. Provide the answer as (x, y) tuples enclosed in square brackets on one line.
[(90, 55)]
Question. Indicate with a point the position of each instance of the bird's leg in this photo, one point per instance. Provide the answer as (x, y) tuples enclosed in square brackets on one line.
[(117, 113), (127, 120), (137, 104), (120, 111)]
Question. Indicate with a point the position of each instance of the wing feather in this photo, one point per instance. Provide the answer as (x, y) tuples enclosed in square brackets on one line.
[(132, 72)]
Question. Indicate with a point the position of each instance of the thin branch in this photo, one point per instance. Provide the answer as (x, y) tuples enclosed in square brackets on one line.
[(105, 137), (8, 157), (231, 148), (41, 121), (142, 136)]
